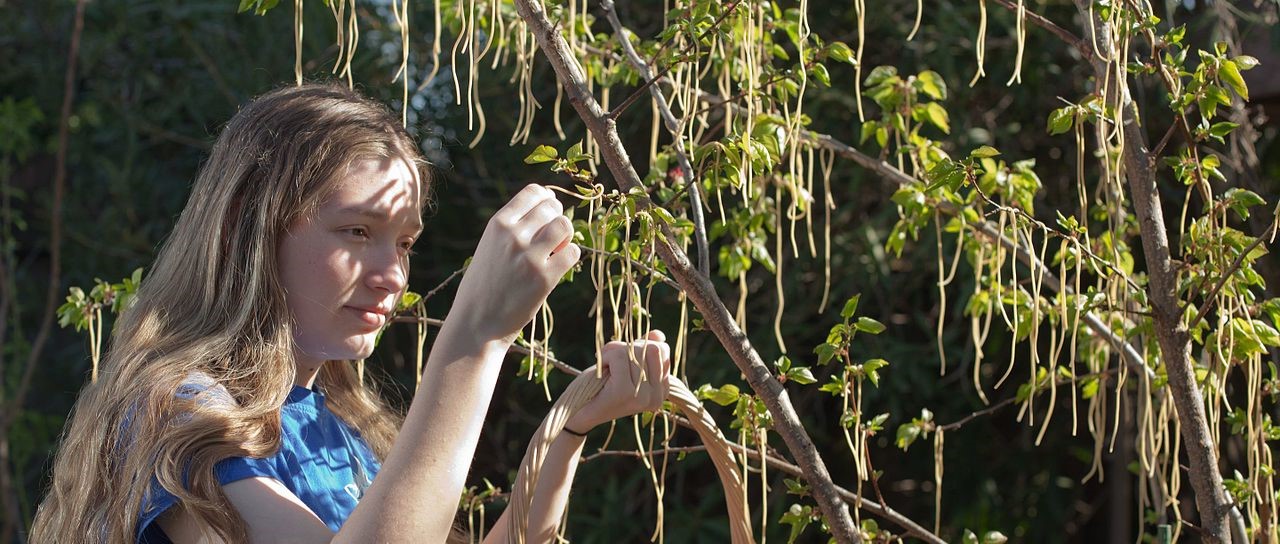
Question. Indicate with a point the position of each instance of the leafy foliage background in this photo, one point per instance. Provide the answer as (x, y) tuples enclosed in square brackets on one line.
[(158, 78)]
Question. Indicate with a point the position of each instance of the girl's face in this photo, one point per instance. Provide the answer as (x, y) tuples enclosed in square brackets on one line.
[(344, 268)]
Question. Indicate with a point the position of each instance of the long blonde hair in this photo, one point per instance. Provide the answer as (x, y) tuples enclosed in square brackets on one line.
[(212, 304)]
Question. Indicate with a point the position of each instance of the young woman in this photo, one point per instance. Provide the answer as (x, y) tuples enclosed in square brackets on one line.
[(228, 409)]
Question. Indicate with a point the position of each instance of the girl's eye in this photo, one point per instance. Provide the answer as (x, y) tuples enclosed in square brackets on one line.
[(406, 249), (359, 232)]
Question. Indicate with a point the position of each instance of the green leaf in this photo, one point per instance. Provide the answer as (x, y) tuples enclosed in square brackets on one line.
[(1240, 200), (879, 74), (795, 487), (727, 394), (1268, 335), (841, 52), (826, 352), (945, 173), (850, 306), (932, 84), (1230, 73), (1060, 120), (574, 154), (798, 518), (835, 387), (868, 130), (937, 116), (1090, 388), (984, 152), (874, 365), (1222, 129), (407, 301), (801, 375), (543, 153), (869, 326), (870, 368), (820, 73), (994, 537), (1245, 62), (907, 434), (783, 363)]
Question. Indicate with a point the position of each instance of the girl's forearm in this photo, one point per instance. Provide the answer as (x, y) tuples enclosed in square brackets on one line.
[(551, 495), (415, 495)]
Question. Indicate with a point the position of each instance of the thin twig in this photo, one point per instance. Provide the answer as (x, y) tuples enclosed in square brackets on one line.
[(1050, 231), (1063, 34), (446, 282), (1006, 402), (516, 348), (1211, 299), (776, 463), (646, 268), (55, 224)]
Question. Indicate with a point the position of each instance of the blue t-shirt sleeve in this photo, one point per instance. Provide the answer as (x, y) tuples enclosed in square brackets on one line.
[(159, 499), (232, 469), (155, 503)]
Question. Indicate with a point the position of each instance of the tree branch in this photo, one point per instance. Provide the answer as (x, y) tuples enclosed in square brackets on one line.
[(1081, 45), (698, 287), (775, 463), (673, 127)]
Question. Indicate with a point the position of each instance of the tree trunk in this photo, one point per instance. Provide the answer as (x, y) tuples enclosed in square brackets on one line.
[(1171, 332)]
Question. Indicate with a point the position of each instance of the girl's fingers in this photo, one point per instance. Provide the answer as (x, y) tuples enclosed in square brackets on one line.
[(525, 200), (542, 212), (658, 375), (564, 259), (553, 233)]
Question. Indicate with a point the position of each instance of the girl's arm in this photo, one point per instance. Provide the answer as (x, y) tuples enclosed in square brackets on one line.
[(626, 392)]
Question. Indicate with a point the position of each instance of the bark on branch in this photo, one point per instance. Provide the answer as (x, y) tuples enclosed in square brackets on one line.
[(699, 287), (1212, 502)]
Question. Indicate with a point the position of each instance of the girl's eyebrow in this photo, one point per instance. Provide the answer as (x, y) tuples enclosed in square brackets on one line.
[(376, 215)]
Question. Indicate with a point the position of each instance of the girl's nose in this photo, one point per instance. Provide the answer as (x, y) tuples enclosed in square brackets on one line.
[(389, 273)]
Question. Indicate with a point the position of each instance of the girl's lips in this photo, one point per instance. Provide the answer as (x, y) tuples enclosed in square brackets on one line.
[(372, 319)]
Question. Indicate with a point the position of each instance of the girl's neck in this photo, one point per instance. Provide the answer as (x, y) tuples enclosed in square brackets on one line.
[(307, 370)]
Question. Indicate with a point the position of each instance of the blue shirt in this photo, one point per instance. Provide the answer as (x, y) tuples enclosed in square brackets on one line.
[(321, 460)]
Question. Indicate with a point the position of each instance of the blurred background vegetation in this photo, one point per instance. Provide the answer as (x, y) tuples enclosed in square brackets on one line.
[(156, 80)]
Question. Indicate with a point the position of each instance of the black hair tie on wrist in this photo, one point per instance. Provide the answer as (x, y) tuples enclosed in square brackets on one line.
[(573, 432)]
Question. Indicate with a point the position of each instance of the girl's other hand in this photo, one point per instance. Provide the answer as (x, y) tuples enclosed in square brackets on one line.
[(625, 391), (525, 249)]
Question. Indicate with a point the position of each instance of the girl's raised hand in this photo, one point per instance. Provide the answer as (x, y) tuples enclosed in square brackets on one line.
[(525, 249), (626, 392)]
